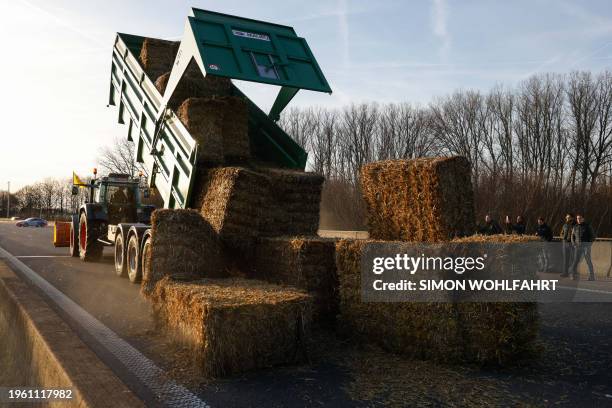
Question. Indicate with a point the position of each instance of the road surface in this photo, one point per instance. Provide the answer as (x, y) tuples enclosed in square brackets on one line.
[(574, 367)]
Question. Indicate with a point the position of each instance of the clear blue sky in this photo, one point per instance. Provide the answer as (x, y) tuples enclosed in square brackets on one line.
[(56, 59)]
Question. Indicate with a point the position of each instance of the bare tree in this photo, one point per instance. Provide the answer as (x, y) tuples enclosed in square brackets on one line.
[(119, 158)]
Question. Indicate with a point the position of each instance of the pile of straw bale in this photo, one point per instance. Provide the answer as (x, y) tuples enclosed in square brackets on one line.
[(304, 262), (184, 246), (242, 204), (484, 333), (235, 325), (425, 200)]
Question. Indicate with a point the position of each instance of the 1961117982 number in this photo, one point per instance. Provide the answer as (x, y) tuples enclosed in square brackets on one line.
[(21, 394)]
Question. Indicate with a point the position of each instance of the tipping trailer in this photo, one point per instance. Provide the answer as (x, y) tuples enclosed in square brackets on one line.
[(220, 45)]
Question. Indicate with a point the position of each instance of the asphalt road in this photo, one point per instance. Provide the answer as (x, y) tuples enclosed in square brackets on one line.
[(573, 368)]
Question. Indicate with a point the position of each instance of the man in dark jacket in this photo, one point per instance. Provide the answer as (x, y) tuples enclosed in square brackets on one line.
[(491, 227), (566, 240), (582, 238), (519, 227), (545, 233), (543, 230)]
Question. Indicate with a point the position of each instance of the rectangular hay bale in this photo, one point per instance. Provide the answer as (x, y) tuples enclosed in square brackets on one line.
[(231, 199), (426, 199), (484, 333), (219, 125), (304, 262), (157, 56), (183, 246), (235, 325), (294, 201)]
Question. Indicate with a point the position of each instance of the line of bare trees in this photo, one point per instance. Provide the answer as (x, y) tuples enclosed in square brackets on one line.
[(542, 148)]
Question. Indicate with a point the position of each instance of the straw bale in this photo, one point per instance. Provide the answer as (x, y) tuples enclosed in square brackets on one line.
[(498, 239), (184, 246), (235, 325), (426, 199), (204, 122), (232, 200), (485, 333), (304, 262), (157, 56), (219, 125), (293, 202), (194, 85)]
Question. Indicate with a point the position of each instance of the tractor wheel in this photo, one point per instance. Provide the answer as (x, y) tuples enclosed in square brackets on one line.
[(90, 250), (74, 237), (120, 258), (134, 264)]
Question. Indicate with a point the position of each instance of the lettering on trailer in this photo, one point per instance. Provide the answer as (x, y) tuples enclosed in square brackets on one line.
[(254, 36)]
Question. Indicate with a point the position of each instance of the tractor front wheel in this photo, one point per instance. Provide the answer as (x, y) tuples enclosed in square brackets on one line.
[(90, 250)]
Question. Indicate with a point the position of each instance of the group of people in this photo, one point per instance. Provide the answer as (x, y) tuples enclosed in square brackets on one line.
[(577, 237)]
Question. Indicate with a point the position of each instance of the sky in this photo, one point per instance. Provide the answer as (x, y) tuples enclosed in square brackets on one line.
[(55, 68)]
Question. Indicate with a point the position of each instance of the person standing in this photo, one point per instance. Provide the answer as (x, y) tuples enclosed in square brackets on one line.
[(582, 239), (519, 227), (566, 243), (545, 233), (491, 227)]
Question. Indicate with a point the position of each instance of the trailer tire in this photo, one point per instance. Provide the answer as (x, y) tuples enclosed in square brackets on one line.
[(120, 256), (134, 264), (90, 250), (145, 258), (74, 236)]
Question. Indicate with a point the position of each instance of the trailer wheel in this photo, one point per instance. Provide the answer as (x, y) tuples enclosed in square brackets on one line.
[(120, 261), (134, 264), (90, 250), (145, 257), (74, 237)]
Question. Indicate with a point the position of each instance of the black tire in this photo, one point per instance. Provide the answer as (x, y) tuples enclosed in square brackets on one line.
[(120, 256), (134, 264), (144, 257), (90, 250), (74, 237)]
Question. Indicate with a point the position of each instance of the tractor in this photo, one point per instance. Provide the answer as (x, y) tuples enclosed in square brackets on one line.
[(113, 216)]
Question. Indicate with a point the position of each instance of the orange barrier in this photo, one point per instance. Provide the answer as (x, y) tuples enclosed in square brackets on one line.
[(61, 234)]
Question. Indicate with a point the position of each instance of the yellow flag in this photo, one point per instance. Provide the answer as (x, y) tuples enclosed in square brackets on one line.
[(76, 180)]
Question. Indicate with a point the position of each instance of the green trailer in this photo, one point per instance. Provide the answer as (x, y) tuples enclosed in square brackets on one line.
[(225, 46)]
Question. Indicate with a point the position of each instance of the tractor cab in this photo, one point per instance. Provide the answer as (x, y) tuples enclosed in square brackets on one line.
[(119, 195)]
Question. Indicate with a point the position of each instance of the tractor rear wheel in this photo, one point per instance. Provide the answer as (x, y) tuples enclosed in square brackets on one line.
[(74, 236), (134, 264), (120, 258), (90, 250)]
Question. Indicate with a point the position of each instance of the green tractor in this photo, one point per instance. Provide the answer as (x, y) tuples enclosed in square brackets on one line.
[(113, 216)]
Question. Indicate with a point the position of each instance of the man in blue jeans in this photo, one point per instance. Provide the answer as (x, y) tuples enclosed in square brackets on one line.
[(582, 238), (566, 240)]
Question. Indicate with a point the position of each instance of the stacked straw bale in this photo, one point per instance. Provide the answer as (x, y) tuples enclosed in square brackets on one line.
[(220, 126), (235, 325), (294, 200), (193, 84), (184, 246), (484, 333), (426, 200), (232, 199), (304, 262)]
